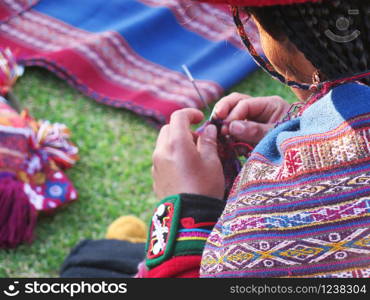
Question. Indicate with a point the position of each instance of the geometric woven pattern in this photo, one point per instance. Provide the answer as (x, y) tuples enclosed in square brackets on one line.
[(304, 212)]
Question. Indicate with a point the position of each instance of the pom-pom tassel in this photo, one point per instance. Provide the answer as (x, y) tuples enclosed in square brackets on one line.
[(17, 215), (10, 71), (54, 139)]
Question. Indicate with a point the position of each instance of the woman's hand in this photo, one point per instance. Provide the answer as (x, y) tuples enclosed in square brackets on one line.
[(247, 118), (184, 162)]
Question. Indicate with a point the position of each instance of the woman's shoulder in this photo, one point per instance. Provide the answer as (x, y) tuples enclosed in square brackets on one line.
[(287, 217), (345, 108), (341, 104)]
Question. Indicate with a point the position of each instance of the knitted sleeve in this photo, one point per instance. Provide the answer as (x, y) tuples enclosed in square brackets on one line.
[(178, 231)]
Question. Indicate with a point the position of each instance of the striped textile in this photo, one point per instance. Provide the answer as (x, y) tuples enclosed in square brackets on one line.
[(192, 234), (301, 204), (128, 54)]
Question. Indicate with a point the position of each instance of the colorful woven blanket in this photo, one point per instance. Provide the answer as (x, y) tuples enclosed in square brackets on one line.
[(129, 54), (301, 204)]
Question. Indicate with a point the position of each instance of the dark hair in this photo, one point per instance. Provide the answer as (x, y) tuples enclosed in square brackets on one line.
[(314, 29)]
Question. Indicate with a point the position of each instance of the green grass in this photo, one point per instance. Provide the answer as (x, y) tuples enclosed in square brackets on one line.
[(112, 178)]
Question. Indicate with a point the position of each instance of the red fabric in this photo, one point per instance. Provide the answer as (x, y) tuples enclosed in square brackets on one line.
[(17, 215), (176, 267), (88, 76), (103, 65), (7, 11), (258, 2)]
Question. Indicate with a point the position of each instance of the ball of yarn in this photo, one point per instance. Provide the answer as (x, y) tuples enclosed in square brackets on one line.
[(127, 228)]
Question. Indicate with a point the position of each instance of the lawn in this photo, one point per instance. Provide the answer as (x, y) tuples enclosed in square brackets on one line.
[(112, 177)]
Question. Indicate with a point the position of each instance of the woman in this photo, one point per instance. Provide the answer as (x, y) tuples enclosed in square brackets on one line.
[(300, 206)]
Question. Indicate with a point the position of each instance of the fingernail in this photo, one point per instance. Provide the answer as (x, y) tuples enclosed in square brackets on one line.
[(213, 114), (211, 131), (237, 127), (224, 129)]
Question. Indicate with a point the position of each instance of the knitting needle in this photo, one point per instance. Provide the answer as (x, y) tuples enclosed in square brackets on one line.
[(191, 78)]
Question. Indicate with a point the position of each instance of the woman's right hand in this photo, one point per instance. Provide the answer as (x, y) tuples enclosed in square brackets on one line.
[(247, 118)]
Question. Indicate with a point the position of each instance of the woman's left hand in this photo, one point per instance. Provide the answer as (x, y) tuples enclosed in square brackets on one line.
[(184, 162)]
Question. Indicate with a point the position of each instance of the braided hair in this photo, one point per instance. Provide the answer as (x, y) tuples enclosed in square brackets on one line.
[(333, 35)]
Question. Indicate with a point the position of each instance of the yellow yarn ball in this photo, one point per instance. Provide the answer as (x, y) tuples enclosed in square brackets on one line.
[(127, 228)]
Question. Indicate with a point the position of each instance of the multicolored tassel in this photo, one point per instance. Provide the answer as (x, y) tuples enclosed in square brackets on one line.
[(10, 71), (32, 157), (54, 139), (17, 216)]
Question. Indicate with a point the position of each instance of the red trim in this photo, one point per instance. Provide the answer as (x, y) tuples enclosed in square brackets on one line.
[(189, 223), (176, 267), (258, 2)]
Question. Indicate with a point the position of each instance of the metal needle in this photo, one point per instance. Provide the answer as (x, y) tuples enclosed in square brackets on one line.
[(188, 74)]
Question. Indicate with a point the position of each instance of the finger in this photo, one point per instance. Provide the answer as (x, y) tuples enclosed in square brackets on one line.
[(160, 147), (181, 120), (260, 109), (226, 104), (249, 131), (162, 138), (153, 172), (156, 191), (252, 109), (207, 143)]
